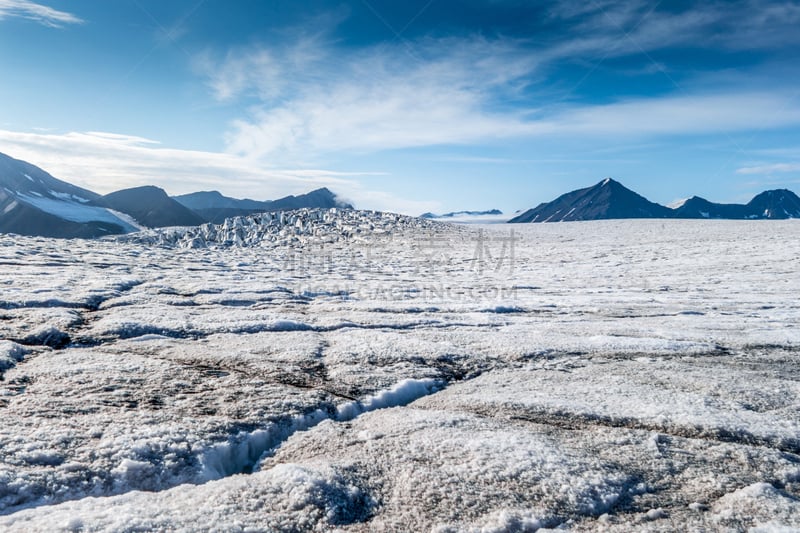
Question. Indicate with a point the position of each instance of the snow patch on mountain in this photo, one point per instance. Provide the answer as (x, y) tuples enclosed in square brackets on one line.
[(76, 212)]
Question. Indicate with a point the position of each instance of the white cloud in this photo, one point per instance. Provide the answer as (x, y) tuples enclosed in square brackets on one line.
[(47, 16), (316, 99), (680, 115), (773, 168), (311, 97), (640, 26), (370, 107), (106, 162)]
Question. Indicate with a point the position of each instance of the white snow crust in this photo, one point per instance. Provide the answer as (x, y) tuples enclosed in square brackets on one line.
[(337, 370)]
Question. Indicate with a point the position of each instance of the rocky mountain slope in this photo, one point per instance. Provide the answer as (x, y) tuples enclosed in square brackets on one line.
[(32, 202), (609, 199)]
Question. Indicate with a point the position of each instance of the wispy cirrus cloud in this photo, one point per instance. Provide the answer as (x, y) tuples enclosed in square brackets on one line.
[(453, 93), (683, 114), (42, 14), (311, 96), (772, 168)]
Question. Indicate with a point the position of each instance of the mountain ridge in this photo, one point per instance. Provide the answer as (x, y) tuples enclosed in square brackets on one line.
[(35, 203), (150, 206), (454, 214), (609, 199), (214, 207)]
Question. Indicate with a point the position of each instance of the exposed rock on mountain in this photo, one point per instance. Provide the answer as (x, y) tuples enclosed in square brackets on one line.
[(150, 206), (608, 199), (32, 202), (214, 207)]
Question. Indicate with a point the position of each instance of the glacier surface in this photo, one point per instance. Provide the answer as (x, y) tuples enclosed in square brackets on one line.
[(352, 371)]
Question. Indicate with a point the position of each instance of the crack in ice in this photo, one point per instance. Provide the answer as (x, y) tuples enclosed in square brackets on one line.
[(246, 452)]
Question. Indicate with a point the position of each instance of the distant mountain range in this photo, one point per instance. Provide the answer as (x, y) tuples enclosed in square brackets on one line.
[(214, 207), (459, 214), (492, 216), (32, 202), (609, 199)]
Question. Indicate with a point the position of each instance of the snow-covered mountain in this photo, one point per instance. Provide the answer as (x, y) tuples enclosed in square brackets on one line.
[(151, 207), (609, 199), (32, 202), (213, 207)]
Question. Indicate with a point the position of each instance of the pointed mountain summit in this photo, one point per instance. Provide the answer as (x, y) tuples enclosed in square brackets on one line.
[(151, 207), (607, 200), (611, 200)]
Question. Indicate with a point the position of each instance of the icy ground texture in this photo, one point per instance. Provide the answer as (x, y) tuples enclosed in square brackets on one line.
[(625, 375), (291, 228)]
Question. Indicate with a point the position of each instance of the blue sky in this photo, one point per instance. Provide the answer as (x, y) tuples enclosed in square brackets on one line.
[(407, 106)]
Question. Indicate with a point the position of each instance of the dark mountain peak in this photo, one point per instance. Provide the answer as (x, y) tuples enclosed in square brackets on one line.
[(695, 200), (612, 185), (215, 207), (610, 199), (322, 198), (697, 207), (775, 204), (207, 194), (780, 195), (605, 200), (143, 193), (198, 201), (150, 206)]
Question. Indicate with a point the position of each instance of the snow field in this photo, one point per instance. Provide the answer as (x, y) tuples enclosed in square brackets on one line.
[(618, 375)]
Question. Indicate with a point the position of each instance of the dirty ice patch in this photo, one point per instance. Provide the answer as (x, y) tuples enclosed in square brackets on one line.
[(472, 472), (674, 396)]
